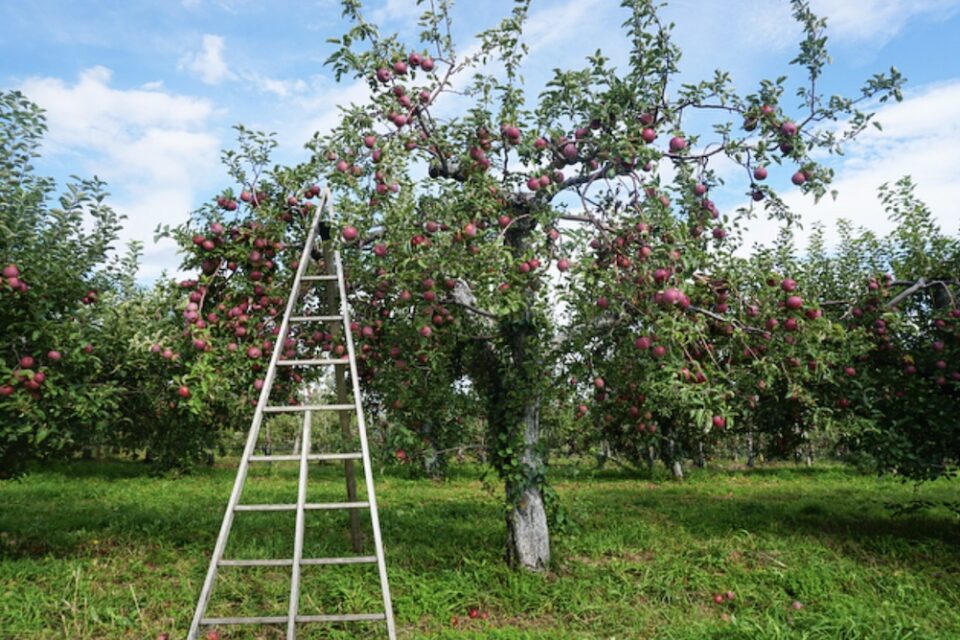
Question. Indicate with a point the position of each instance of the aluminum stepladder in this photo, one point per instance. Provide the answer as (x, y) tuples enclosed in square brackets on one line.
[(293, 618)]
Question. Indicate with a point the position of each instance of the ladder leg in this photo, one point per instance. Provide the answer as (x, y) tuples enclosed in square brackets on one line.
[(298, 536), (365, 449), (340, 373)]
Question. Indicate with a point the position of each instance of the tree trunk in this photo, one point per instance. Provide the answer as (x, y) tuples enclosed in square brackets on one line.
[(672, 457), (676, 468), (751, 450), (528, 536), (701, 459)]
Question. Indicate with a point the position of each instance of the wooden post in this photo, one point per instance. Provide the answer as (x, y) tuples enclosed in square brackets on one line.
[(340, 376)]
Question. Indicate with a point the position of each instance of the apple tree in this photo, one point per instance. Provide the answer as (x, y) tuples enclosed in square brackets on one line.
[(463, 202), (60, 273)]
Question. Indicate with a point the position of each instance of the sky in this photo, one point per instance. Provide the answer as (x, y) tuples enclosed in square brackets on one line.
[(144, 94)]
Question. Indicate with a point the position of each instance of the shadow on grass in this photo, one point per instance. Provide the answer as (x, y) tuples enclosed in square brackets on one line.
[(424, 529)]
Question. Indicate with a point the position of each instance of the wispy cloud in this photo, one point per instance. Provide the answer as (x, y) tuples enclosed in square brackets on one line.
[(208, 63)]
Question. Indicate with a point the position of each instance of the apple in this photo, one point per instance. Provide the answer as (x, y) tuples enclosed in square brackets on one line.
[(794, 302), (658, 351), (788, 128), (719, 422), (798, 178), (643, 343), (677, 144), (183, 392), (760, 173), (11, 271), (380, 250), (349, 233), (383, 75), (254, 353), (648, 135), (26, 362), (474, 613), (599, 383), (563, 264), (427, 63), (426, 331)]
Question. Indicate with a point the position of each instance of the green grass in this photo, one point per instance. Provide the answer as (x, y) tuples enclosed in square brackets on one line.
[(103, 550)]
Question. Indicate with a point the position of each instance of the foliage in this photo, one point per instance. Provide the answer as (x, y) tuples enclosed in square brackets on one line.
[(61, 278)]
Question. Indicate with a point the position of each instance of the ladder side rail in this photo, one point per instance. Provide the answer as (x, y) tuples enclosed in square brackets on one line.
[(365, 449), (298, 536), (251, 443)]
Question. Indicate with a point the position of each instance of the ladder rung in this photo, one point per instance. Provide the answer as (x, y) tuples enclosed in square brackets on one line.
[(313, 362), (254, 620), (317, 278), (313, 457), (299, 408), (316, 318), (286, 562), (344, 617), (310, 506), (344, 560), (256, 563)]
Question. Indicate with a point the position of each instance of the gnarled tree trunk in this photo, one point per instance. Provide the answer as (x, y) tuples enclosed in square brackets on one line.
[(528, 535)]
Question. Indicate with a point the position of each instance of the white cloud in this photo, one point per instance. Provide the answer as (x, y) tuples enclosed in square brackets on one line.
[(208, 63), (920, 137), (279, 88), (877, 21), (402, 12), (155, 150)]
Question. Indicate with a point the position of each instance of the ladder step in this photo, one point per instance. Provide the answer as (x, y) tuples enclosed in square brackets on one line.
[(310, 506), (316, 318), (287, 562), (255, 563), (312, 362), (317, 278), (344, 560), (300, 408), (312, 457), (345, 617), (254, 620)]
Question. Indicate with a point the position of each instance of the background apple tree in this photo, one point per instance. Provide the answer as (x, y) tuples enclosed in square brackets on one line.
[(457, 200), (62, 339)]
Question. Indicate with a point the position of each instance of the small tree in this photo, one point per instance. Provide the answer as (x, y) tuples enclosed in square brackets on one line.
[(57, 356)]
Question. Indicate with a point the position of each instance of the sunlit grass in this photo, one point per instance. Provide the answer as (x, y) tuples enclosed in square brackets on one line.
[(104, 550)]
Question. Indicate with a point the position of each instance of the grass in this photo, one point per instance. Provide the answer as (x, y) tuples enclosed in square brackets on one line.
[(103, 550)]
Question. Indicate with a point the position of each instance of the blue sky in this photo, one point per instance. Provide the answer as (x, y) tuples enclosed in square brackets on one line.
[(144, 94)]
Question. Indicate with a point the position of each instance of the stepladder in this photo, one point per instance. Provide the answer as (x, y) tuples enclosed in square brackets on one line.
[(329, 388)]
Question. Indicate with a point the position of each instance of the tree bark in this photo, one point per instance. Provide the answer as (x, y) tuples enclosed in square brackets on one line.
[(751, 450), (528, 534)]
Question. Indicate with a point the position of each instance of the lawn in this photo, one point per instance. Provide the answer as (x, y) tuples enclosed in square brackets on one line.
[(104, 550)]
